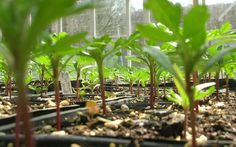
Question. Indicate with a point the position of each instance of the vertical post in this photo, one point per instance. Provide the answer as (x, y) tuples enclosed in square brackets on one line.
[(30, 19), (147, 14), (129, 27), (118, 34), (203, 2), (195, 2), (94, 23), (60, 25)]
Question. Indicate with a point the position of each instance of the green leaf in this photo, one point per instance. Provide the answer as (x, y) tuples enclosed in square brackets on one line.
[(155, 34), (160, 57), (215, 59), (194, 26), (6, 54), (134, 58), (225, 28), (166, 13), (200, 95), (174, 97)]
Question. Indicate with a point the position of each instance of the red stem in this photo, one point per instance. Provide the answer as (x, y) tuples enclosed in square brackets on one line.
[(192, 112), (209, 77), (10, 88), (100, 72), (41, 82), (164, 86), (227, 85), (131, 87), (217, 85), (138, 92), (151, 87), (7, 87), (185, 122), (17, 129), (195, 79), (155, 88), (23, 110), (77, 87), (57, 95)]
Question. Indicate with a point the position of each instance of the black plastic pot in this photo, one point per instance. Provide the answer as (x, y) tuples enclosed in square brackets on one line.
[(66, 141), (39, 116)]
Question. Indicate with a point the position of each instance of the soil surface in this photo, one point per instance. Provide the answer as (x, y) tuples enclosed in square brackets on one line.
[(216, 121)]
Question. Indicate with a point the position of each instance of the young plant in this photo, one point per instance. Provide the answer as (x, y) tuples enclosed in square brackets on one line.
[(80, 63), (99, 49), (182, 98), (56, 47), (6, 77), (219, 38), (14, 23), (145, 58), (42, 64), (190, 43)]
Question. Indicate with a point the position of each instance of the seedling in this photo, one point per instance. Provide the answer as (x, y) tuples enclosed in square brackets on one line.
[(56, 47), (80, 63), (190, 43), (99, 49), (182, 98), (14, 23), (133, 44)]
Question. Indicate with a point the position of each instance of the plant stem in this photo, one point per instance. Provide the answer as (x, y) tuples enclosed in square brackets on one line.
[(77, 86), (227, 85), (100, 73), (209, 77), (195, 79), (41, 82), (151, 87), (185, 122), (217, 84), (23, 109), (192, 112), (10, 88), (138, 92), (57, 94), (6, 88), (131, 87), (17, 129), (155, 87), (164, 86)]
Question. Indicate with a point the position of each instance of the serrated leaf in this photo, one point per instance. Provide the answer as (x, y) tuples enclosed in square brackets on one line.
[(215, 59), (166, 13), (226, 27), (155, 34), (196, 33)]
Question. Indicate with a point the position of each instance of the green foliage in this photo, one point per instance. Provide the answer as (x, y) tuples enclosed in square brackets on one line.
[(101, 48), (182, 98), (190, 40)]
